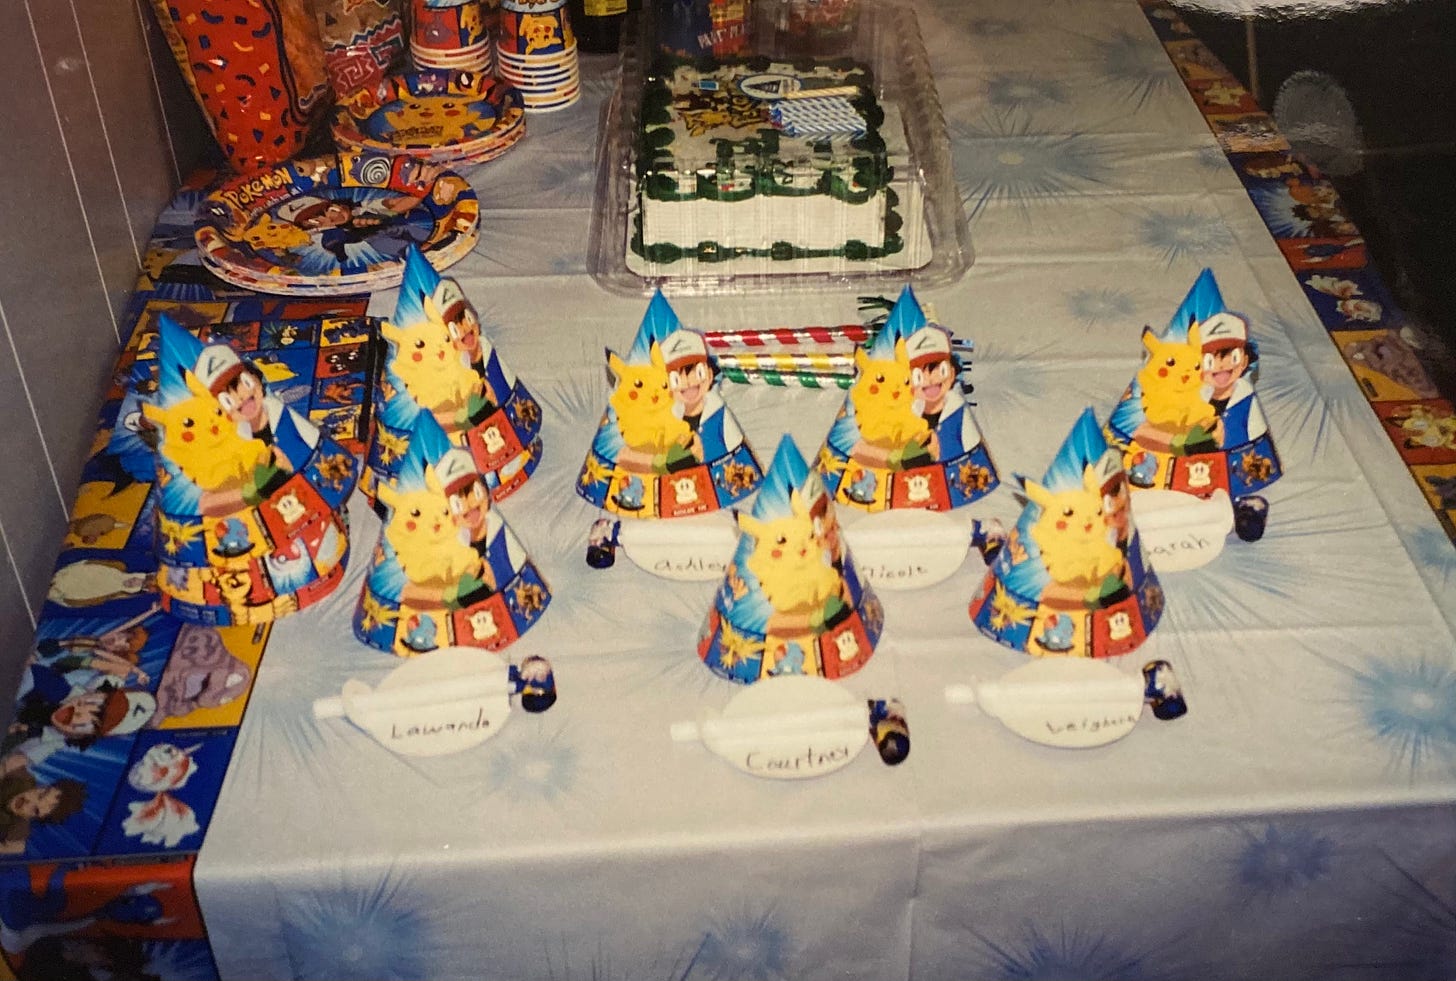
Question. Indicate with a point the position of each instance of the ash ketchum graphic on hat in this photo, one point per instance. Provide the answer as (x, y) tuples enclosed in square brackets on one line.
[(1072, 578), (439, 363), (250, 521), (667, 446), (447, 570), (792, 601), (1190, 420), (905, 437)]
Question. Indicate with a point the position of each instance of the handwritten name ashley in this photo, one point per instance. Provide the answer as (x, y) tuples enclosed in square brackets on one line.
[(809, 761), (691, 563), (424, 730)]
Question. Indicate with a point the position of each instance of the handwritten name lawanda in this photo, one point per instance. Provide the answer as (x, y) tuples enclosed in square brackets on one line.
[(426, 730)]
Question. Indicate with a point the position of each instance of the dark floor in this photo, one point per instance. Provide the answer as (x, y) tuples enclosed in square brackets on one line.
[(1396, 63)]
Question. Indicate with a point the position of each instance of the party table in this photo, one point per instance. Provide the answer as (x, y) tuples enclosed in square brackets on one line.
[(1298, 822)]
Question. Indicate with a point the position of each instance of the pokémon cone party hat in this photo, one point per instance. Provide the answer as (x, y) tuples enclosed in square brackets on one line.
[(447, 570), (667, 445), (439, 362), (1072, 578), (1190, 420), (905, 437), (792, 601), (249, 518)]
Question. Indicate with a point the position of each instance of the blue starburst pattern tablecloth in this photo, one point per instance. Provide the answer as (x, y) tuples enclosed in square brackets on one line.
[(1298, 823)]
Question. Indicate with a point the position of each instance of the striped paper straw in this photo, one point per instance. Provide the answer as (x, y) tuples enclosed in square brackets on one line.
[(816, 361), (786, 379), (790, 336), (794, 337)]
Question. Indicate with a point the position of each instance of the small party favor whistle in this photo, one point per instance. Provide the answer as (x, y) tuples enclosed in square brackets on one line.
[(889, 730), (601, 543), (535, 683), (1163, 692)]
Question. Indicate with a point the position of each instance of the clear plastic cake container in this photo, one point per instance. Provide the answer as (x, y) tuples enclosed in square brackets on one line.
[(785, 243)]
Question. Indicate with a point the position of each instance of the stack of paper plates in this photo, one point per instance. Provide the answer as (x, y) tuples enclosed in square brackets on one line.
[(441, 117), (335, 225)]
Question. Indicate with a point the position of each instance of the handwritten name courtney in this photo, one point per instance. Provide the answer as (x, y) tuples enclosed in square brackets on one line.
[(808, 761)]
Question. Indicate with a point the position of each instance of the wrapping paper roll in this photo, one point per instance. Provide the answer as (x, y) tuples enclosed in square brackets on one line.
[(363, 40), (256, 67)]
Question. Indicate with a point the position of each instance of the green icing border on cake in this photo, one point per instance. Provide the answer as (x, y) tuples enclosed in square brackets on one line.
[(869, 171)]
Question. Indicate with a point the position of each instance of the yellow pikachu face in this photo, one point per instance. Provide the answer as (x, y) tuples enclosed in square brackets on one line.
[(424, 537), (883, 399), (541, 31), (198, 437), (643, 403), (789, 560), (1072, 531), (1171, 379), (443, 121), (265, 233), (426, 361)]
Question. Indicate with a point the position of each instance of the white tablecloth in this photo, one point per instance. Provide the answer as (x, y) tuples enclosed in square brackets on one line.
[(1298, 823)]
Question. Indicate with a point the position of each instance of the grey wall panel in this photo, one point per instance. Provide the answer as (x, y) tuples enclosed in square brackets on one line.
[(33, 505), (115, 43), (57, 307), (83, 136)]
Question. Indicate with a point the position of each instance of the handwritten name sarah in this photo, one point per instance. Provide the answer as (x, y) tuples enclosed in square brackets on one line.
[(1191, 542)]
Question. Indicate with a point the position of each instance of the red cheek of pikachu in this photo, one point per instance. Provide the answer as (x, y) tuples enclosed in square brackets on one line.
[(187, 437)]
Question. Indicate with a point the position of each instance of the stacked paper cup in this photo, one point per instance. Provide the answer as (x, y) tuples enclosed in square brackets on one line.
[(536, 53), (452, 34)]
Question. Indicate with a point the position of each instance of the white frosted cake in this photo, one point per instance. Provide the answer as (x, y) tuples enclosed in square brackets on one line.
[(766, 159)]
